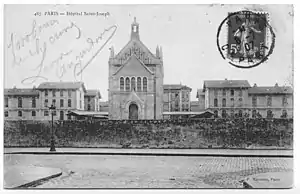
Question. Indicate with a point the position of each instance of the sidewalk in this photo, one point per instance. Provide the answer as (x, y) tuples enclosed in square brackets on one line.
[(27, 176), (155, 152)]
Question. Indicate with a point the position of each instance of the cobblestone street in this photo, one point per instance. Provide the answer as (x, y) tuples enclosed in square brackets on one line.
[(149, 171)]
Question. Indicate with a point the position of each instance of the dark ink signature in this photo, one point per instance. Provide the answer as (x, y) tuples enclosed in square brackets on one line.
[(79, 64)]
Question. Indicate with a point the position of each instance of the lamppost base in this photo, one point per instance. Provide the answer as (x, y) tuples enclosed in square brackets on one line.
[(52, 149), (52, 146)]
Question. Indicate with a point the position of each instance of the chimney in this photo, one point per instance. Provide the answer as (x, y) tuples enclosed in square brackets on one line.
[(255, 85), (226, 79), (276, 85), (14, 87), (34, 87)]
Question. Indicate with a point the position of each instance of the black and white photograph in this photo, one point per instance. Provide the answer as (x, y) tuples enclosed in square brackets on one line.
[(148, 96)]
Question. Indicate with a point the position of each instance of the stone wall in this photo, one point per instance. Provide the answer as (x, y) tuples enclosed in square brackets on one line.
[(204, 133)]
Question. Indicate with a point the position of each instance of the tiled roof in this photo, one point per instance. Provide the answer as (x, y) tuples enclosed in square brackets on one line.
[(92, 93), (61, 85), (175, 87), (226, 84), (21, 92), (270, 90)]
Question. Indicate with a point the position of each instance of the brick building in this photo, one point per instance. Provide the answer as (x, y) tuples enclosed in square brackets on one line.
[(135, 80)]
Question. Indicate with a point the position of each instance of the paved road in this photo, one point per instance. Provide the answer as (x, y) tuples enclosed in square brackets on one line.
[(156, 151), (104, 171)]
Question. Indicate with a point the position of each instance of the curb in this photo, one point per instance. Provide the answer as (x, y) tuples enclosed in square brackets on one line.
[(36, 182), (151, 154)]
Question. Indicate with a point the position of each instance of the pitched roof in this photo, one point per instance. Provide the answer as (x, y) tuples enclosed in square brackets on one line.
[(270, 90), (129, 58), (92, 93), (175, 87), (61, 85), (226, 84), (21, 92)]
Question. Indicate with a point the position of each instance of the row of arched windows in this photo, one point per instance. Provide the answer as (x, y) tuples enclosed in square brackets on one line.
[(137, 84)]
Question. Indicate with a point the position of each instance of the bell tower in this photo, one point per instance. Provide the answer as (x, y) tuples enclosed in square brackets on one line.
[(135, 30)]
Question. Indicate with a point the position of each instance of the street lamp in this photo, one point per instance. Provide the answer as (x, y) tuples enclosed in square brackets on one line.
[(52, 145)]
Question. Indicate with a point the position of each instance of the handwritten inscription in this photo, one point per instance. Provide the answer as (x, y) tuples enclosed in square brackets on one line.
[(31, 45)]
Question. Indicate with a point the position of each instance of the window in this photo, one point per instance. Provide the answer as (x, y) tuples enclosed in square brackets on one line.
[(54, 113), (61, 116), (216, 92), (253, 113), (269, 114), (133, 83), (61, 93), (240, 102), (46, 113), (240, 113), (224, 92), (232, 113), (53, 93), (33, 102), (145, 84), (20, 102), (19, 113), (284, 100), (232, 92), (224, 102), (269, 101), (79, 103), (69, 117), (127, 84), (33, 113), (224, 113), (6, 113), (89, 99), (122, 83), (284, 114), (46, 102), (6, 101), (62, 103), (69, 103), (139, 84), (53, 102), (216, 114), (232, 102), (182, 107), (240, 92), (46, 92), (69, 93), (254, 101), (89, 107), (215, 102)]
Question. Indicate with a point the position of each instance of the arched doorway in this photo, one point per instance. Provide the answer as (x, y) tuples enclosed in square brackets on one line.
[(133, 112)]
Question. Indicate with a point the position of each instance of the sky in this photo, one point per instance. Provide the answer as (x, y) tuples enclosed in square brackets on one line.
[(186, 33)]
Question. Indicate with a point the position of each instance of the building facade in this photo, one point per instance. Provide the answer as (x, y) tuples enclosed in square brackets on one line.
[(33, 104), (176, 98), (92, 100), (21, 104), (135, 81), (236, 98)]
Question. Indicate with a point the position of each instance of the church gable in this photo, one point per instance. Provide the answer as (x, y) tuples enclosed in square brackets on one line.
[(133, 67), (137, 48)]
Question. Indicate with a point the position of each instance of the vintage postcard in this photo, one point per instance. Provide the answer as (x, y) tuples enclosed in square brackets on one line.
[(148, 96)]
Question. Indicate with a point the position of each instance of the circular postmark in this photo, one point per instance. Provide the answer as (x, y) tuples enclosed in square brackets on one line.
[(245, 39)]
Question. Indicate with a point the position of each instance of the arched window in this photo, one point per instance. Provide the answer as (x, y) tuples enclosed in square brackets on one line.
[(127, 84), (254, 114), (89, 107), (269, 114), (19, 102), (216, 114), (122, 84), (133, 83), (215, 102), (224, 102), (224, 113), (144, 84), (139, 84)]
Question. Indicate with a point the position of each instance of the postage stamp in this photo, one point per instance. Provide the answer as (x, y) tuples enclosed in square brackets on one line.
[(247, 38)]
